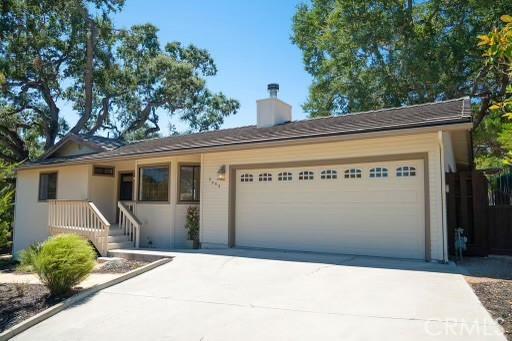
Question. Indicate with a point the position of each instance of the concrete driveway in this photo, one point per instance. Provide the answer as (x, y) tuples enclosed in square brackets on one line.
[(257, 295)]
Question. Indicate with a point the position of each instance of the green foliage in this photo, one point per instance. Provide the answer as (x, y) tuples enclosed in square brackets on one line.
[(373, 54), (6, 205), (117, 80), (494, 135), (63, 262), (192, 224), (28, 257)]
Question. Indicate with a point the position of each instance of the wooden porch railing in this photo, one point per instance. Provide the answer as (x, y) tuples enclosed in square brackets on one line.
[(128, 222), (81, 217)]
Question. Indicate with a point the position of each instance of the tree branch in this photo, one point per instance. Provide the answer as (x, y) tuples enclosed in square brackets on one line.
[(88, 79), (102, 117), (140, 120)]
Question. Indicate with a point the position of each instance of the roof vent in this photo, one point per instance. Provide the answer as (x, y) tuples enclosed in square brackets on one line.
[(272, 111), (273, 89)]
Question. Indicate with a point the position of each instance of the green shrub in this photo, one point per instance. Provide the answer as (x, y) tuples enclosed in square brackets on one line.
[(63, 262), (192, 223), (28, 257)]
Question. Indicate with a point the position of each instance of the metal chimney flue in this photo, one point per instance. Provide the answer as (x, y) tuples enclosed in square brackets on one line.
[(273, 89)]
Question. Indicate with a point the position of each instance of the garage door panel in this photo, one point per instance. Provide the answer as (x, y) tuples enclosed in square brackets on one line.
[(373, 216)]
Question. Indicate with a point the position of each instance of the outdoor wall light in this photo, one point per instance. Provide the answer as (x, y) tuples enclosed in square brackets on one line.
[(221, 173)]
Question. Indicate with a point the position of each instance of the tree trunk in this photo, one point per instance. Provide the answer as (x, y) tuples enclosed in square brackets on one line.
[(88, 79)]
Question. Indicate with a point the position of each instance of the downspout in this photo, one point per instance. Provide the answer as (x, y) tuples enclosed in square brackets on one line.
[(443, 195)]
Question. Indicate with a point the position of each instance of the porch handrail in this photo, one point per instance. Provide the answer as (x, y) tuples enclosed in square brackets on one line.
[(129, 223), (81, 217)]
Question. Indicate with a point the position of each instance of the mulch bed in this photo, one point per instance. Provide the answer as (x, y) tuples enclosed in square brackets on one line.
[(21, 301), (496, 296), (491, 280), (120, 266)]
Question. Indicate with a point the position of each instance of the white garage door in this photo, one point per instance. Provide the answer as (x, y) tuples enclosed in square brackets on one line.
[(365, 209)]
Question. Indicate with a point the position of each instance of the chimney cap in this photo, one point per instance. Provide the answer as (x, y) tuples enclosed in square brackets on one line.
[(273, 86)]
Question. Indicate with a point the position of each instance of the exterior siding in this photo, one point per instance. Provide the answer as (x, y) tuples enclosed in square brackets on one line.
[(163, 222), (215, 194), (31, 215)]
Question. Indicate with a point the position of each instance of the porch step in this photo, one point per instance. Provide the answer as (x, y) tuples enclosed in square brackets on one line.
[(118, 238), (120, 245), (115, 231)]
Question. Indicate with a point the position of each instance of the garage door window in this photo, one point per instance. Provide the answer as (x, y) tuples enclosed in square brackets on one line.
[(284, 176), (328, 174), (405, 171), (306, 175), (265, 177), (353, 173), (378, 172), (246, 178)]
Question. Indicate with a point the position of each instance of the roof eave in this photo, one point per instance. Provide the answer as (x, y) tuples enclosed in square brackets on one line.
[(459, 124)]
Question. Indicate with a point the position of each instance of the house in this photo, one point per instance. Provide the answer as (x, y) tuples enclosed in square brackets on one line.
[(369, 183)]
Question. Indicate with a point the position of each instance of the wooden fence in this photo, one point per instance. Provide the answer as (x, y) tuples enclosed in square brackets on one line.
[(488, 227)]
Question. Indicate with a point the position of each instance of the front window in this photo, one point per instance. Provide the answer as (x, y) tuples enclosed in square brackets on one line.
[(154, 183), (48, 186), (189, 183)]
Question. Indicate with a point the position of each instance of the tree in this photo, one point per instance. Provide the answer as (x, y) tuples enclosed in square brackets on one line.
[(116, 80), (494, 136), (372, 54), (6, 205)]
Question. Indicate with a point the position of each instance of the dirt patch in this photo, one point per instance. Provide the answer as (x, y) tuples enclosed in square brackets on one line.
[(491, 280), (119, 266), (496, 296), (21, 301)]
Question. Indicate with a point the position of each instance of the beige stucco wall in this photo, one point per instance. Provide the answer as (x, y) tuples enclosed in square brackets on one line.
[(214, 193), (31, 215)]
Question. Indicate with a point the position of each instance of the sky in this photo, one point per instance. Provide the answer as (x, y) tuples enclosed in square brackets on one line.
[(248, 40)]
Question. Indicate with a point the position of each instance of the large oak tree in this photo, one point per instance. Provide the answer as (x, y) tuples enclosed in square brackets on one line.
[(68, 51)]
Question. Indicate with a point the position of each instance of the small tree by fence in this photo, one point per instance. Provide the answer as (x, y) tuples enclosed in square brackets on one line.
[(499, 186)]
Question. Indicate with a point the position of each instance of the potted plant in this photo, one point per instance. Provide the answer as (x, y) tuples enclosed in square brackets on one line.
[(192, 227)]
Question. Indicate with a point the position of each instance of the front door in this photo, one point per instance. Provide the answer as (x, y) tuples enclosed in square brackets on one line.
[(126, 187)]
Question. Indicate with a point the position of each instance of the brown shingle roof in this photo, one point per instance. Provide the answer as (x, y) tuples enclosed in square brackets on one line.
[(423, 115)]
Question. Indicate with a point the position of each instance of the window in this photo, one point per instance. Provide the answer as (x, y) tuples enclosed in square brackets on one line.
[(284, 176), (306, 175), (246, 178), (265, 177), (328, 174), (154, 183), (378, 172), (190, 177), (406, 171), (353, 173), (103, 171), (47, 186)]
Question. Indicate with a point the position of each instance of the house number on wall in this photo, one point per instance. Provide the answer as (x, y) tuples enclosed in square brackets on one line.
[(214, 183)]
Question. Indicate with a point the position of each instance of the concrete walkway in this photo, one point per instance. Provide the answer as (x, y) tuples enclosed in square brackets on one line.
[(256, 295)]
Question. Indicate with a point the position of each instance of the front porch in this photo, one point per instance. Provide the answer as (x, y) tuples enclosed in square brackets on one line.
[(130, 204)]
